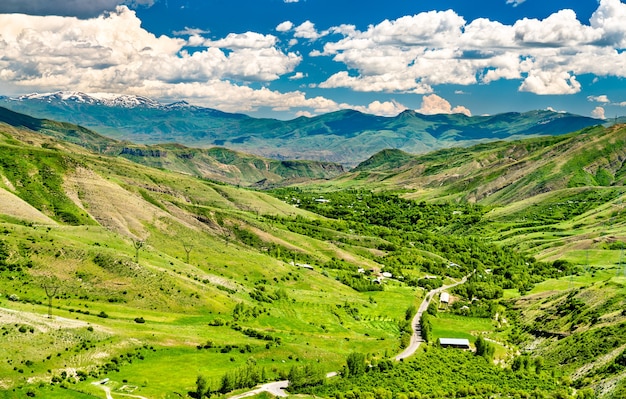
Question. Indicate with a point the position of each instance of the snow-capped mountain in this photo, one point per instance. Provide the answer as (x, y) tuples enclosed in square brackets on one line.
[(106, 99)]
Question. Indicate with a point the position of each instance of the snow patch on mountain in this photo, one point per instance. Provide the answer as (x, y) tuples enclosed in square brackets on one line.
[(105, 99)]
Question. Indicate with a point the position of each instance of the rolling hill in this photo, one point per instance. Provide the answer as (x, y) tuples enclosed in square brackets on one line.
[(346, 137), (158, 280)]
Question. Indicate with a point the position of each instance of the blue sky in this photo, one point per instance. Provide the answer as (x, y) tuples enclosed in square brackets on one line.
[(286, 58)]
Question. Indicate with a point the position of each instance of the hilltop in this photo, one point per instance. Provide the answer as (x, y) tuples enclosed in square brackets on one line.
[(346, 137)]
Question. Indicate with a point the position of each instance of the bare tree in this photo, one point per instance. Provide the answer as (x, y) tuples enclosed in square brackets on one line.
[(138, 244), (188, 248)]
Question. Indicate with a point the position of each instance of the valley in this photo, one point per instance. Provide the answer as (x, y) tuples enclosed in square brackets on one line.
[(171, 283)]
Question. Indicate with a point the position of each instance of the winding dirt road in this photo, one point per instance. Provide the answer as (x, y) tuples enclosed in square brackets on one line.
[(416, 338)]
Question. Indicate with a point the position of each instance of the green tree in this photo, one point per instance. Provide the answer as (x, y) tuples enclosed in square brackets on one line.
[(484, 348), (355, 364), (202, 387)]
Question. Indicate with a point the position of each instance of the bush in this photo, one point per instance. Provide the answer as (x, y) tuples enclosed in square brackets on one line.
[(139, 320)]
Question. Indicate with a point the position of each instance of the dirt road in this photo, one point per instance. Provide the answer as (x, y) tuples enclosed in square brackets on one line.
[(416, 338)]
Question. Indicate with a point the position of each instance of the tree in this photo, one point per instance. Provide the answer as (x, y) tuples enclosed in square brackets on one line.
[(484, 348), (227, 384), (355, 364), (202, 387)]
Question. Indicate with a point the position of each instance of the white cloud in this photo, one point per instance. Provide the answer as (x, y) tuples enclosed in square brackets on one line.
[(598, 112), (190, 32), (291, 1), (113, 52), (231, 97), (248, 40), (622, 104), (559, 29), (306, 30), (609, 18), (548, 82), (555, 110), (304, 113), (387, 108), (599, 99), (284, 26), (515, 2), (385, 83), (434, 104), (297, 76), (433, 48)]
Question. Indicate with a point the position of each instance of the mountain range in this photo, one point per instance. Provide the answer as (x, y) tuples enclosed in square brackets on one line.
[(347, 137), (216, 163)]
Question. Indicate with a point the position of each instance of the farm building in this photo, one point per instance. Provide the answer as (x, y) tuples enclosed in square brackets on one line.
[(444, 298), (458, 343)]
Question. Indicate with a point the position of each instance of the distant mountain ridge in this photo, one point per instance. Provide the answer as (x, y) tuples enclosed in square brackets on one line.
[(347, 136), (215, 163)]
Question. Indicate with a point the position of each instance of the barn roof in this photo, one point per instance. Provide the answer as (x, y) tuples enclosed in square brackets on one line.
[(454, 342)]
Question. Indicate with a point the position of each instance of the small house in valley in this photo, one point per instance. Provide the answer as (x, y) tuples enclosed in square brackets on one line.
[(457, 343)]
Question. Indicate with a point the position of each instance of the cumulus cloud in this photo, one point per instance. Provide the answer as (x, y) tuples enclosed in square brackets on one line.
[(549, 82), (284, 26), (386, 108), (306, 30), (413, 53), (77, 8), (113, 53), (232, 97), (434, 104), (599, 99), (598, 112)]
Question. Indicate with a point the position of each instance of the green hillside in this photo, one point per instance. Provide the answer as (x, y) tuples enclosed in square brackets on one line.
[(165, 283)]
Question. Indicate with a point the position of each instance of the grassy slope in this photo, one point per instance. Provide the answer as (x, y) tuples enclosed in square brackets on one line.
[(117, 201), (82, 241)]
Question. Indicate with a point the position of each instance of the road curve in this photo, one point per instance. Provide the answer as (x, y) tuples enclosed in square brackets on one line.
[(416, 337)]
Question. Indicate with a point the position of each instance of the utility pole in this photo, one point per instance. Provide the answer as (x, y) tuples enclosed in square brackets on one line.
[(188, 248), (51, 291), (137, 244)]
